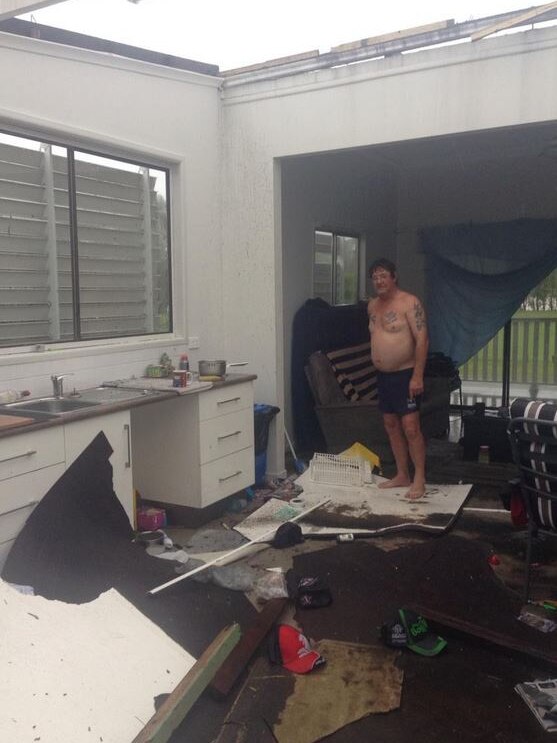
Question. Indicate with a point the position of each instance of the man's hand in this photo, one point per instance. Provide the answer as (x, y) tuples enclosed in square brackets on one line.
[(416, 386)]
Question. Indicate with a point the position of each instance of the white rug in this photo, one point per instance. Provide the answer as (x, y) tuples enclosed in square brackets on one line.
[(364, 510)]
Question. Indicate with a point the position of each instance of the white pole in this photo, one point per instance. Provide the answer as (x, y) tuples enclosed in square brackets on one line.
[(264, 536)]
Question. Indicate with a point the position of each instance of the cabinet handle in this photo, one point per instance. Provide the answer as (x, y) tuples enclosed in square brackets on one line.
[(127, 430), (231, 399), (228, 435), (20, 508), (229, 477), (28, 453)]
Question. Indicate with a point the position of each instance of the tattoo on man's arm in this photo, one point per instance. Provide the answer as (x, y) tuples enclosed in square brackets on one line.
[(419, 316)]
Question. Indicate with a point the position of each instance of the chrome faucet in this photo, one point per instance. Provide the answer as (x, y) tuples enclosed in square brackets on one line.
[(58, 384)]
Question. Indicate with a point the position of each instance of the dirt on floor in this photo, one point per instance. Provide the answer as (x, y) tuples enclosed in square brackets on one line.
[(464, 694)]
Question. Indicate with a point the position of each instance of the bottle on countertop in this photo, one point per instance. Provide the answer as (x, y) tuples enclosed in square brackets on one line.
[(184, 363), (7, 396)]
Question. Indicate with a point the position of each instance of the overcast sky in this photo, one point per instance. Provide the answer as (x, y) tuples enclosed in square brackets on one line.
[(234, 33)]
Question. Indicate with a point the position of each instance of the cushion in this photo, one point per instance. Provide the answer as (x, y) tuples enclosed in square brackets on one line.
[(323, 381), (540, 456), (354, 371)]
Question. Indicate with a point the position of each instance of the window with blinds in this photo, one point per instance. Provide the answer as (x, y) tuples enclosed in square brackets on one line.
[(84, 245)]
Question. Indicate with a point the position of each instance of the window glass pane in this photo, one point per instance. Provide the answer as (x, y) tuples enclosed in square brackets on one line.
[(346, 283), (323, 266), (35, 289), (123, 255)]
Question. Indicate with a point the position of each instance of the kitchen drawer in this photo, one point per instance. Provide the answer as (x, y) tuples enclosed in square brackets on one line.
[(226, 434), (224, 400), (20, 495), (31, 451), (226, 475), (28, 488)]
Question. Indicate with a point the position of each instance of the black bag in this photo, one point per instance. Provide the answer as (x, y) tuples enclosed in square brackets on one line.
[(286, 535), (308, 592)]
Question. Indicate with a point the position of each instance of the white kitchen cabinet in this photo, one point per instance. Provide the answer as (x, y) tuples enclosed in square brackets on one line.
[(116, 427), (195, 449), (30, 464)]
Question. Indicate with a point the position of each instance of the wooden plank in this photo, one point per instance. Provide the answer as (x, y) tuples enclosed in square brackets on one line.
[(11, 8), (497, 638), (228, 673), (394, 36), (173, 710), (272, 63), (518, 20)]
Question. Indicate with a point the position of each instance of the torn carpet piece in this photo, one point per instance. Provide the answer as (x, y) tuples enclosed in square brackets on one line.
[(77, 544), (358, 680), (365, 510)]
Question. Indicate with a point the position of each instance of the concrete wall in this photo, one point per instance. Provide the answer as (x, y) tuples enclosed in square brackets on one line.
[(126, 108)]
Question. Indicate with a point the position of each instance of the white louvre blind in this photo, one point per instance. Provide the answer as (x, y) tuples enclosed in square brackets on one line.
[(122, 249)]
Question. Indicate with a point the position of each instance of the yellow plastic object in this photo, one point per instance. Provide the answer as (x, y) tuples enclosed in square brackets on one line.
[(359, 450)]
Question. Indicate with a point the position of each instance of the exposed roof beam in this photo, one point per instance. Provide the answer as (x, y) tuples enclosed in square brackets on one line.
[(373, 49), (11, 8), (521, 18), (393, 36)]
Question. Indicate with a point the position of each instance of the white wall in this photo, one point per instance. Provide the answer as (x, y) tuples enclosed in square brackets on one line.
[(124, 107), (227, 152), (505, 81)]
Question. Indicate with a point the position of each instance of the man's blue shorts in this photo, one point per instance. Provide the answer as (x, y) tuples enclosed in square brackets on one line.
[(393, 392)]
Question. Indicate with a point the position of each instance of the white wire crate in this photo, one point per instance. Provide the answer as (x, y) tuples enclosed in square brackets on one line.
[(333, 469)]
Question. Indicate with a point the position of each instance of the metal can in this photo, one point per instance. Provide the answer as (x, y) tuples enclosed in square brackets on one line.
[(181, 378)]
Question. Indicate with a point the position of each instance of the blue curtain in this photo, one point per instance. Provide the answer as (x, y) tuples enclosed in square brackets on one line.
[(477, 277)]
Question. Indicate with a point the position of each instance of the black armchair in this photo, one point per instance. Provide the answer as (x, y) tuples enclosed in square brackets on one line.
[(345, 421)]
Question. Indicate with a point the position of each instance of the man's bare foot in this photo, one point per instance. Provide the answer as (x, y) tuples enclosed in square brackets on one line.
[(399, 481), (416, 492)]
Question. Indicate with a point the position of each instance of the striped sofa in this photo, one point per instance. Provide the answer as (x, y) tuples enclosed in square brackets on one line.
[(344, 387), (533, 435)]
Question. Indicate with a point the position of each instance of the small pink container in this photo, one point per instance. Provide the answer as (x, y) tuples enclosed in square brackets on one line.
[(150, 519)]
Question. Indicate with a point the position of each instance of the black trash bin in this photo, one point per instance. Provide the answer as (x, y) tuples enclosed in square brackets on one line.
[(262, 417)]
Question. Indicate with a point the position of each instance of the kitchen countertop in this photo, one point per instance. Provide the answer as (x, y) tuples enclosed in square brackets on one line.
[(47, 420)]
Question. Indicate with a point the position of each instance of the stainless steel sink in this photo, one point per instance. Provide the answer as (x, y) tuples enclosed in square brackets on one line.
[(112, 394), (52, 405), (45, 407)]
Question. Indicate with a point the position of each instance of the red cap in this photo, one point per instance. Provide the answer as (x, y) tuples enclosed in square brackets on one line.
[(295, 650)]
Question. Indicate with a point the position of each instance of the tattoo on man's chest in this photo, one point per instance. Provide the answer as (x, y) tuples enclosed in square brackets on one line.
[(390, 317)]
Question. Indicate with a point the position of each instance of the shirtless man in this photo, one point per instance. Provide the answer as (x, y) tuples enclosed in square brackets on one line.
[(399, 344)]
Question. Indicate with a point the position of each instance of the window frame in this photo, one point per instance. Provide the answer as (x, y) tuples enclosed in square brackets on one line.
[(169, 166), (336, 233)]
